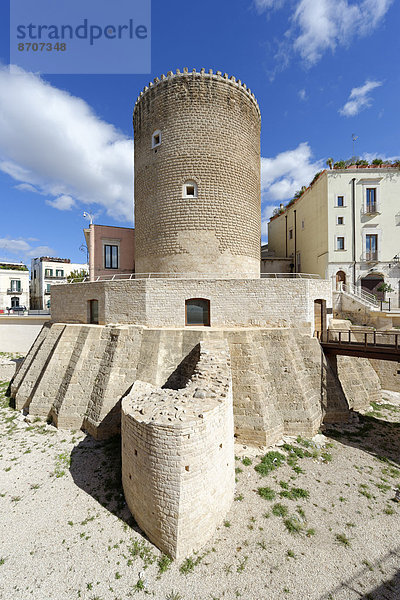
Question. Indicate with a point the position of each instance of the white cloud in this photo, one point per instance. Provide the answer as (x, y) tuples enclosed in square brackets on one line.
[(263, 5), (302, 94), (20, 248), (62, 203), (40, 251), (370, 156), (26, 187), (283, 175), (54, 142), (14, 246), (359, 99), (318, 26)]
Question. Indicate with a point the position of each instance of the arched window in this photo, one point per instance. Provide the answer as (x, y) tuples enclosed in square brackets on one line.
[(189, 189), (14, 302), (340, 278), (156, 139), (197, 311)]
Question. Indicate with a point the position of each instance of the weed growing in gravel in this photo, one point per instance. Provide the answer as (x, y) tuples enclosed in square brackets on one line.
[(368, 565), (63, 462), (239, 498), (267, 493), (139, 586), (290, 554), (163, 563), (299, 452), (293, 525), (295, 493), (280, 510), (342, 538), (388, 510), (2, 560), (270, 461), (242, 564), (189, 564), (140, 549), (363, 491), (247, 461), (227, 524), (173, 596), (326, 457), (383, 487), (391, 472), (310, 532)]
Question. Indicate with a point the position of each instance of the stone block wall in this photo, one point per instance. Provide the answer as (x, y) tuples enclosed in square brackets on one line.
[(282, 382), (177, 452), (209, 127), (388, 373), (161, 302)]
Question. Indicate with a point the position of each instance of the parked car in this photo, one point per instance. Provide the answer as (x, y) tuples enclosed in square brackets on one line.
[(17, 309)]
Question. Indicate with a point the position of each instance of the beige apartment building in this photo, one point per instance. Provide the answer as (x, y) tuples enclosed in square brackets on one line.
[(345, 227), (47, 271), (14, 287)]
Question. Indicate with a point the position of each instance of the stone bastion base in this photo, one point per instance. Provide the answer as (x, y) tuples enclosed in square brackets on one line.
[(282, 383)]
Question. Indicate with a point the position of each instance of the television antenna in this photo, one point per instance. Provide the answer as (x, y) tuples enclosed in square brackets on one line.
[(354, 137)]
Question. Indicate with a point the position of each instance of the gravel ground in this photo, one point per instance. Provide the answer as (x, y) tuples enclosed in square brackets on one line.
[(318, 522)]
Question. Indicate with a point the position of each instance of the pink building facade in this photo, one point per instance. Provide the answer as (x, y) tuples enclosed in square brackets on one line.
[(111, 250)]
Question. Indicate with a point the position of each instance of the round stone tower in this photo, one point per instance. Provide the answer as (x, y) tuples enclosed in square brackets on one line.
[(197, 176)]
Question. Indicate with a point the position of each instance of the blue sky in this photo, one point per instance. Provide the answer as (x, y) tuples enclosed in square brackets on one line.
[(320, 69)]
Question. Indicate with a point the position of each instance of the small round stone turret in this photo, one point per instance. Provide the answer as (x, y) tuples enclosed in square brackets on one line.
[(197, 176)]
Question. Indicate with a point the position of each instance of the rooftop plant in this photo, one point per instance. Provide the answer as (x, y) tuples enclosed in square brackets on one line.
[(13, 267)]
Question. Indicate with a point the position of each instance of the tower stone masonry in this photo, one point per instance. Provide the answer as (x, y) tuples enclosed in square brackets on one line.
[(197, 176)]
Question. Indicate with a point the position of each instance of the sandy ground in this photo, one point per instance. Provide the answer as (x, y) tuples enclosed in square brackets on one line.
[(327, 528)]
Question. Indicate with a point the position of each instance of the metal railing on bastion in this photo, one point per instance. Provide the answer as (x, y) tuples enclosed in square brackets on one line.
[(133, 276), (381, 345)]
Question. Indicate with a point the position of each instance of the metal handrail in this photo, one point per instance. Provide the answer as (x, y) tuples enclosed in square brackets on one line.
[(344, 336), (133, 276), (354, 291)]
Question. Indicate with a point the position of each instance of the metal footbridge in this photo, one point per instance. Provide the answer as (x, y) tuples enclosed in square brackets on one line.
[(381, 345)]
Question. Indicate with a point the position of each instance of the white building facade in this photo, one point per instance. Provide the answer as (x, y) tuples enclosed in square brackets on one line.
[(47, 271), (14, 286), (346, 227)]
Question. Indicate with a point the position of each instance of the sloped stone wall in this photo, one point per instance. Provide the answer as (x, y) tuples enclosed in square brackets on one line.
[(282, 382)]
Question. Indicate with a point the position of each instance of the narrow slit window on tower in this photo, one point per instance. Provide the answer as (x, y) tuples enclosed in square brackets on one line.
[(190, 189), (156, 139)]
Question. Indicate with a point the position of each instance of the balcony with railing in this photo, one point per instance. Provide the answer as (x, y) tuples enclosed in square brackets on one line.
[(14, 292), (370, 209), (370, 256)]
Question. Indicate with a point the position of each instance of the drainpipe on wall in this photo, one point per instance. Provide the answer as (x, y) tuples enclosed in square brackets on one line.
[(353, 202), (285, 236), (295, 243), (91, 252)]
